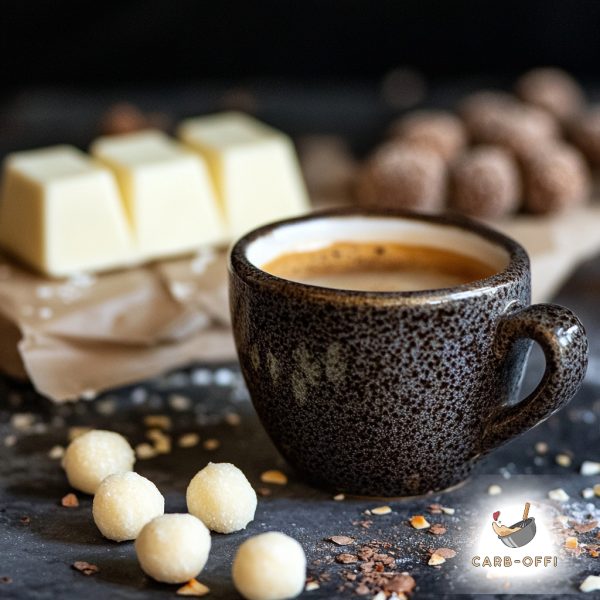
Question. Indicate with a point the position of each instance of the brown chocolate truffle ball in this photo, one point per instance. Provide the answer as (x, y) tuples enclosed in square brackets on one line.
[(496, 118), (480, 110), (556, 177), (584, 131), (485, 182), (126, 118), (553, 90), (437, 130), (400, 175)]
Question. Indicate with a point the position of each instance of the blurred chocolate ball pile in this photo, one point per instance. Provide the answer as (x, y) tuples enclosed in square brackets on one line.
[(498, 154)]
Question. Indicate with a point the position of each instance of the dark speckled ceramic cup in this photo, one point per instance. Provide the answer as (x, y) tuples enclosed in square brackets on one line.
[(395, 393)]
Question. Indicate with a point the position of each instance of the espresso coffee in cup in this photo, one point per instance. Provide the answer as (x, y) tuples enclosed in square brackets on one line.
[(384, 351), (378, 267)]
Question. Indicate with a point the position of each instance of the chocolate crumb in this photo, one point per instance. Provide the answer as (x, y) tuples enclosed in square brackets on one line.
[(401, 584), (264, 491), (437, 529), (341, 540), (346, 559), (585, 527), (435, 509), (5, 579), (365, 524), (85, 567), (25, 520), (362, 590)]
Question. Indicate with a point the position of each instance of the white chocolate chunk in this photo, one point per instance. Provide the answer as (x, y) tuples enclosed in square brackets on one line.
[(173, 548), (222, 498), (61, 213), (269, 566), (559, 495), (167, 192), (254, 168), (95, 455), (590, 584), (589, 467), (124, 503)]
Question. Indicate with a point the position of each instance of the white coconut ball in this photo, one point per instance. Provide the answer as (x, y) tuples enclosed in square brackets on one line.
[(173, 548), (269, 566), (95, 455), (221, 497), (124, 503)]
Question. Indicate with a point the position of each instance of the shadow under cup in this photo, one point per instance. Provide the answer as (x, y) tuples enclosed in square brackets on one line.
[(395, 393)]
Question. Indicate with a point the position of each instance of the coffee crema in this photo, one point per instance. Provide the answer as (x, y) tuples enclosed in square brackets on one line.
[(378, 267)]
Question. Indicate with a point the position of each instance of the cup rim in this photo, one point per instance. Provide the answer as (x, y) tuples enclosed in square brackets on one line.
[(518, 260)]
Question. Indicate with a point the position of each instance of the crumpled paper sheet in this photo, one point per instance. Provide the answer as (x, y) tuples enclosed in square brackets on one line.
[(90, 333)]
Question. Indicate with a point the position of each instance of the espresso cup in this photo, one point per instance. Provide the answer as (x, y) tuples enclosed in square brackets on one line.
[(395, 393)]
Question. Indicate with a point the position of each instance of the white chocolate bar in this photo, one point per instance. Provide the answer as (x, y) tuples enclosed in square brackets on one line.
[(167, 192), (254, 168), (61, 213)]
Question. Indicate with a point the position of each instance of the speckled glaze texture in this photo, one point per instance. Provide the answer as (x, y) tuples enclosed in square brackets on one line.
[(398, 393)]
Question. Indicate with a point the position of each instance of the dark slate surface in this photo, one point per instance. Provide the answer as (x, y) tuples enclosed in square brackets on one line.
[(36, 556)]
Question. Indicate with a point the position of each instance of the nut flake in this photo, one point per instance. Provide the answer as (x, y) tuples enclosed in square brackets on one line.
[(381, 510), (193, 588), (10, 440), (419, 522), (445, 552), (22, 421), (188, 440), (436, 560), (70, 501), (233, 419), (85, 567), (75, 432), (346, 559), (179, 403), (159, 421), (559, 495), (275, 477), (341, 540), (589, 467), (571, 543), (211, 444), (145, 451), (563, 460)]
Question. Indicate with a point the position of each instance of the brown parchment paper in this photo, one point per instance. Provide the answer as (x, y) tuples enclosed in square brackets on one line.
[(90, 333)]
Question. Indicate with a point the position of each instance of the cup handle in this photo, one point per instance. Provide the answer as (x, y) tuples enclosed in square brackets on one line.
[(563, 340)]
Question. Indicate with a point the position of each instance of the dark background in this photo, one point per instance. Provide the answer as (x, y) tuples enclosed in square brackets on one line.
[(46, 42)]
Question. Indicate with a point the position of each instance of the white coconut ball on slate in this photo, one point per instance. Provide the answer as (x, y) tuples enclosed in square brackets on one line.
[(269, 566), (221, 497), (95, 455), (124, 503), (173, 548)]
